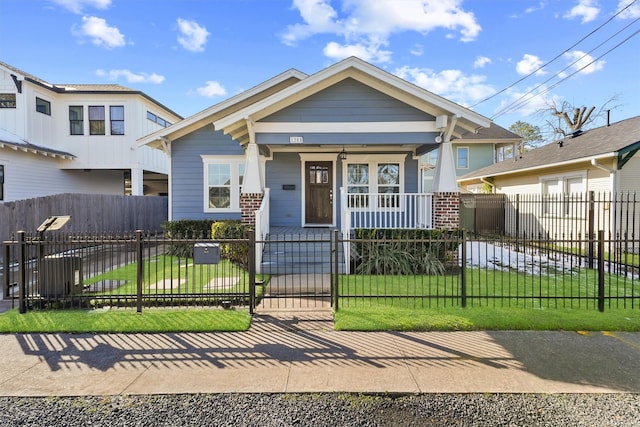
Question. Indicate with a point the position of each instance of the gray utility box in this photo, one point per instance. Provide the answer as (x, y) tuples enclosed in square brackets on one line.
[(60, 276), (206, 253)]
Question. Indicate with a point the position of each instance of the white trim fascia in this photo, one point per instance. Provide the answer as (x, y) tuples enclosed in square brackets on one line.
[(359, 65), (204, 114), (345, 127), (534, 168)]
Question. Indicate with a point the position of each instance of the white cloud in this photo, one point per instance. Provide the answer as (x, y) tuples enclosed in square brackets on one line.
[(193, 37), (211, 89), (632, 12), (417, 50), (584, 63), (77, 6), (481, 61), (528, 64), (369, 53), (586, 9), (368, 24), (130, 76), (450, 84), (100, 33)]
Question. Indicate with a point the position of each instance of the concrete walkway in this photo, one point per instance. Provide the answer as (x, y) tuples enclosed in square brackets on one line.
[(300, 352)]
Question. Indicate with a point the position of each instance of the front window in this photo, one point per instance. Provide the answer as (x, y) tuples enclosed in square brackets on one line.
[(358, 183), (463, 157), (96, 120), (386, 182), (76, 120), (223, 183), (43, 106), (116, 114), (7, 100)]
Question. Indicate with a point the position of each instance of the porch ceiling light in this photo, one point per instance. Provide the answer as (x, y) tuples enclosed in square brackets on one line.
[(343, 154)]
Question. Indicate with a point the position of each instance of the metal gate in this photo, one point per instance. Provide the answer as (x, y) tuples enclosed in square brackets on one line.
[(298, 267)]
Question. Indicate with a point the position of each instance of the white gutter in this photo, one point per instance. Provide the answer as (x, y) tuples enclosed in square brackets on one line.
[(612, 173), (534, 168)]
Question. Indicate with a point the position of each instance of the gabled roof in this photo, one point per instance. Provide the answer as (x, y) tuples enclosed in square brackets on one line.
[(492, 133), (603, 142), (71, 88), (363, 72), (9, 140), (207, 116), (292, 86)]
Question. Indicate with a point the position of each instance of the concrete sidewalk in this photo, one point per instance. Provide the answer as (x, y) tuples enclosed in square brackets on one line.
[(299, 352)]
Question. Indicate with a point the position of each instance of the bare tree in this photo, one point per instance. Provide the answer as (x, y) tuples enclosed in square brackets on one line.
[(572, 119)]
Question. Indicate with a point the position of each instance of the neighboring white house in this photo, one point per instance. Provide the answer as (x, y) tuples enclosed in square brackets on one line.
[(77, 138)]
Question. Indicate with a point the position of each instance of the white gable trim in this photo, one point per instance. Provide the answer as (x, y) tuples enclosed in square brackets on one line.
[(345, 127)]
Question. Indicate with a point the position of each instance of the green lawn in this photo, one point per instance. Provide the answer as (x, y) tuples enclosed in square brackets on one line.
[(125, 321), (381, 318)]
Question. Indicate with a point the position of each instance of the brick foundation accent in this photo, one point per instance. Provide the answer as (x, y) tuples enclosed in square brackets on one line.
[(249, 204), (446, 211)]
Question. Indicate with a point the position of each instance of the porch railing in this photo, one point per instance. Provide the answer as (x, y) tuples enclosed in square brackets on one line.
[(383, 210), (262, 228), (386, 210)]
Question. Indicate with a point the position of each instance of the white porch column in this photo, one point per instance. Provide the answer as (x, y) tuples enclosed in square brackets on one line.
[(137, 177), (444, 180), (252, 181)]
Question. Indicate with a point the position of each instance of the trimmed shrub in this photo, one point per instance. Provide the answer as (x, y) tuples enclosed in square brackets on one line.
[(236, 252), (186, 229), (405, 251)]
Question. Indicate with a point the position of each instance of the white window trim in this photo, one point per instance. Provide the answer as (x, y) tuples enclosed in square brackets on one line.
[(235, 162), (561, 180), (458, 157), (373, 160)]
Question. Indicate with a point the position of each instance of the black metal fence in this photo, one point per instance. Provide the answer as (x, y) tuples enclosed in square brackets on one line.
[(465, 270), (135, 270), (555, 252)]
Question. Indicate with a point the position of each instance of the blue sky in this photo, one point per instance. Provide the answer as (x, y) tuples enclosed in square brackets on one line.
[(191, 54)]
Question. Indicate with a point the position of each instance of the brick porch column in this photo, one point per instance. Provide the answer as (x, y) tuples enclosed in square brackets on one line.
[(249, 204), (446, 210)]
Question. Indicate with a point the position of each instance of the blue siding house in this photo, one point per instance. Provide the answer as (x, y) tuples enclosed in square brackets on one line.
[(344, 147)]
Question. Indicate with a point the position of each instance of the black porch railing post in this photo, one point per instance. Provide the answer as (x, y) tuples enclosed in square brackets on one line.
[(6, 273), (336, 269), (22, 273), (252, 271), (591, 224), (601, 270), (139, 271), (463, 272)]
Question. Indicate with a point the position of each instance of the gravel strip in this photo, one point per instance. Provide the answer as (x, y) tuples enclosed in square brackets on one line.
[(325, 409)]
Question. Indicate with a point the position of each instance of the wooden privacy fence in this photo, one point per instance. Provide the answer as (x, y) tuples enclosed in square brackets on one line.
[(90, 213)]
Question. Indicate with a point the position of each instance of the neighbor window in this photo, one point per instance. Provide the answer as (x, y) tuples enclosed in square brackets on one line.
[(387, 181), (463, 158), (116, 115), (157, 119), (96, 120), (223, 179), (563, 195), (43, 106), (1, 182), (76, 120), (7, 100)]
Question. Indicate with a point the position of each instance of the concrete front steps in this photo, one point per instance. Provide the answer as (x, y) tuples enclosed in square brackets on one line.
[(300, 251)]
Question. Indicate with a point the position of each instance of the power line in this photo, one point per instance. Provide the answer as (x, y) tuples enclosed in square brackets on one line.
[(523, 100), (556, 57)]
